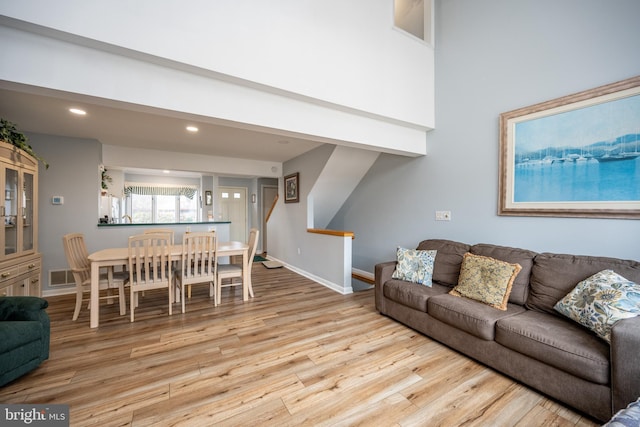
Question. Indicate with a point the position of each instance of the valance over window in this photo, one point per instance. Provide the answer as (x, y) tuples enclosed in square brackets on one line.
[(160, 190)]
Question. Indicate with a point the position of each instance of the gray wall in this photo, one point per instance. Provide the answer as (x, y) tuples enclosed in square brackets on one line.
[(494, 56), (73, 173)]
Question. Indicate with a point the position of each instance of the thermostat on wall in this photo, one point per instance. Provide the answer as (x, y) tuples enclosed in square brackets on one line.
[(57, 200)]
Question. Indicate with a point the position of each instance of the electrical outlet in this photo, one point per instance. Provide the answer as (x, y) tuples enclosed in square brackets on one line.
[(443, 215), (298, 251)]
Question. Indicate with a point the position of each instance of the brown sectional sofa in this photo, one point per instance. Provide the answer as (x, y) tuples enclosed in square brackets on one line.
[(530, 341)]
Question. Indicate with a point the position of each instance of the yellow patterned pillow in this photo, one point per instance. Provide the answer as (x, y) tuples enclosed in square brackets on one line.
[(486, 279)]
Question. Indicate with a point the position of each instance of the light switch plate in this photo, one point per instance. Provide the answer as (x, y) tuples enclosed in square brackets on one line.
[(443, 215)]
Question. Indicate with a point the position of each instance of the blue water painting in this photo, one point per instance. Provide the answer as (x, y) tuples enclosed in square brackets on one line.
[(590, 154)]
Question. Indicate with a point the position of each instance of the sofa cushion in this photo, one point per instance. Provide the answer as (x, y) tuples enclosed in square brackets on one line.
[(486, 280), (600, 301), (414, 265), (470, 316), (554, 275), (446, 268), (558, 342), (412, 294), (524, 257)]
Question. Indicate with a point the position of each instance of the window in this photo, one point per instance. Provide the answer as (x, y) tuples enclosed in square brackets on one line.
[(188, 209), (146, 209), (166, 209), (141, 208), (415, 17)]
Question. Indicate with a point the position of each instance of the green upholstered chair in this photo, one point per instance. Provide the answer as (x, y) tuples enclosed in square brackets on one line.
[(24, 336)]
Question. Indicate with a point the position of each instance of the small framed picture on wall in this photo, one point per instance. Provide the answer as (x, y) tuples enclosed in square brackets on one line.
[(291, 188)]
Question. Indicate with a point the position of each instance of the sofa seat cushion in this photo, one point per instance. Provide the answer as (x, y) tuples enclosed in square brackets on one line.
[(557, 342), (412, 295), (470, 316)]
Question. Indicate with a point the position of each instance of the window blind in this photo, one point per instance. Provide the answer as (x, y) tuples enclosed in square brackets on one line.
[(160, 190)]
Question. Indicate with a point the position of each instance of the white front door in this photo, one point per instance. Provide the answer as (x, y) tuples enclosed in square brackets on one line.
[(233, 207)]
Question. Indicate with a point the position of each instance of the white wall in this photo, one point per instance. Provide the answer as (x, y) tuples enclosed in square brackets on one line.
[(304, 69), (495, 56), (340, 50)]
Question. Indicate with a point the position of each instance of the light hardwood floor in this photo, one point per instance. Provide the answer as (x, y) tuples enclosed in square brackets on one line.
[(296, 354)]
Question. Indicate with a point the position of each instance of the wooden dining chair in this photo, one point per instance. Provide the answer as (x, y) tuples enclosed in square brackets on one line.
[(171, 233), (77, 256), (161, 230), (198, 263), (149, 266), (234, 271)]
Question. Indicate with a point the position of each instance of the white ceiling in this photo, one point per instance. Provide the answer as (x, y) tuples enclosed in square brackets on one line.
[(112, 123)]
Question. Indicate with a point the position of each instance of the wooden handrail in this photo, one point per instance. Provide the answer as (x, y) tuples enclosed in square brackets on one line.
[(332, 232), (363, 278), (275, 200)]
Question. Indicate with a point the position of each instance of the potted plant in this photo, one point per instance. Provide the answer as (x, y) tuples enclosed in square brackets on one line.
[(11, 135), (106, 180)]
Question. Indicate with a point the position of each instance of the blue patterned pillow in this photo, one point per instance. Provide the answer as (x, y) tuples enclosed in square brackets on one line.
[(415, 266), (628, 417), (600, 301)]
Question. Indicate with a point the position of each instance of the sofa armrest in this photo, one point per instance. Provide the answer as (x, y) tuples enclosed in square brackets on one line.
[(27, 308), (625, 369), (383, 272), (21, 308)]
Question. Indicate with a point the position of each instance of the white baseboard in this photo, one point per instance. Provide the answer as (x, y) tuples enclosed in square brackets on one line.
[(320, 280), (60, 291)]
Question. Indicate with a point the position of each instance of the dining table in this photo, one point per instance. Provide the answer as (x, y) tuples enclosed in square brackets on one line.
[(112, 257)]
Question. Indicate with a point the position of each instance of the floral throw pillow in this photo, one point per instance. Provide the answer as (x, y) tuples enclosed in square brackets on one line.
[(486, 280), (600, 301), (414, 266)]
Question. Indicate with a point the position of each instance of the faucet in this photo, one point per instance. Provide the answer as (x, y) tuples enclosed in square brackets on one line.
[(125, 217)]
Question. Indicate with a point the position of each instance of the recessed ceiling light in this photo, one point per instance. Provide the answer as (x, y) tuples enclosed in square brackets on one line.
[(78, 111), (166, 171), (192, 129)]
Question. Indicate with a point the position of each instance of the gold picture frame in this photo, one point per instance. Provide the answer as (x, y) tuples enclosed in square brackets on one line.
[(575, 156)]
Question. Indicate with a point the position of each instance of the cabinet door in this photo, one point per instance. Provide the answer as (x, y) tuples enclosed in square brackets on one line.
[(6, 291), (34, 286), (10, 210), (27, 211)]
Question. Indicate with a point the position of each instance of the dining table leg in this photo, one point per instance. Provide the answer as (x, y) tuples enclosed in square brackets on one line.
[(94, 305)]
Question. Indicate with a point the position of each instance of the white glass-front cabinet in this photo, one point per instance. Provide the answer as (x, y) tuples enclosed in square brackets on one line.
[(19, 260)]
